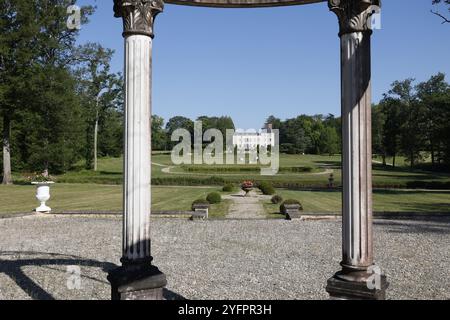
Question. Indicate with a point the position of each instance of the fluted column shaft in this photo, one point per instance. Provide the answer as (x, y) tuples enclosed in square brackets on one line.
[(359, 277), (138, 18), (357, 151), (137, 278), (137, 170), (358, 271)]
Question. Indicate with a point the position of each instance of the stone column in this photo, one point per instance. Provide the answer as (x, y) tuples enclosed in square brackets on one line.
[(137, 278), (359, 277)]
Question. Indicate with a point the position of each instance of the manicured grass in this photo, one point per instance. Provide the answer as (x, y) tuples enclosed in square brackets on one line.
[(382, 176), (383, 201), (95, 197), (78, 197), (110, 172)]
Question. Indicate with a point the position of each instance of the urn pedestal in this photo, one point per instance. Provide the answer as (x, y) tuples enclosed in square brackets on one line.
[(247, 190), (43, 195), (291, 211), (200, 210)]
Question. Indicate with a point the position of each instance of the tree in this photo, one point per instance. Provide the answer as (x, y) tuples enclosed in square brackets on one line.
[(308, 134), (315, 132), (17, 33), (53, 141), (99, 87), (329, 141), (35, 78), (159, 137), (431, 95), (275, 122), (442, 103), (411, 130), (179, 122), (220, 123), (443, 17), (391, 108), (294, 138), (56, 45), (404, 130), (378, 123), (409, 124), (336, 123), (110, 134)]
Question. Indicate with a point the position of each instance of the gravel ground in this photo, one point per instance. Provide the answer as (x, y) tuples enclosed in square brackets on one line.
[(259, 259)]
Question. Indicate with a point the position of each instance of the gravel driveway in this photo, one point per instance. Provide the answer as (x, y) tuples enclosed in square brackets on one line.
[(259, 259)]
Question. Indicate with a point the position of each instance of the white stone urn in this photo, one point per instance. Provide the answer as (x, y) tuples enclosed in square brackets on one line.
[(43, 194)]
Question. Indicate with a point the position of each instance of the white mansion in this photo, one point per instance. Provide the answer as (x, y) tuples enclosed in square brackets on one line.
[(249, 140)]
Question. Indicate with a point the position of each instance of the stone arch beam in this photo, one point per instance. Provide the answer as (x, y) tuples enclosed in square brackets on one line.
[(241, 3)]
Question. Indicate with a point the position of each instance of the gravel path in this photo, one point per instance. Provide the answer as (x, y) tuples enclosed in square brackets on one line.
[(217, 259), (246, 207)]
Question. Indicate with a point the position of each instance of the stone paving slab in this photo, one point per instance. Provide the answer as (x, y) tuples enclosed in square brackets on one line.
[(246, 206), (222, 259)]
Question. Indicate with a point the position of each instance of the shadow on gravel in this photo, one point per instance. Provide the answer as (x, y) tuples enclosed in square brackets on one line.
[(439, 225), (12, 267), (170, 295)]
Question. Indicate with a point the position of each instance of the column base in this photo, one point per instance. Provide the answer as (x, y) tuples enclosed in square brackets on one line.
[(346, 286), (137, 281)]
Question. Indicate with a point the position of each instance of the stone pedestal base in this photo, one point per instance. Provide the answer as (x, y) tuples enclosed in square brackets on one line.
[(356, 290), (293, 214), (137, 282)]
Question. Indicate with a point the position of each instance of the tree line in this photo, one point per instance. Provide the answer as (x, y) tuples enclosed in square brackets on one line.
[(61, 105), (59, 102), (413, 120), (161, 134), (316, 134), (304, 134)]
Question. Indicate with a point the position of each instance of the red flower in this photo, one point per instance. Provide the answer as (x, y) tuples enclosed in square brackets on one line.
[(247, 184)]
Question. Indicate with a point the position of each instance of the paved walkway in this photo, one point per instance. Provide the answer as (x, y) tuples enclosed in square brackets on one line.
[(246, 207)]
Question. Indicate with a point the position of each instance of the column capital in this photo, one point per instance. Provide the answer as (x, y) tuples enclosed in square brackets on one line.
[(354, 15), (138, 15)]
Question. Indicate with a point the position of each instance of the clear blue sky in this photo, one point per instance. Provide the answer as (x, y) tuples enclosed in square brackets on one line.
[(251, 63)]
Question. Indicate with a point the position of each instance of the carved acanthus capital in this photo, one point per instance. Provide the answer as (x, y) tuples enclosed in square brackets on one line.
[(138, 15), (354, 15)]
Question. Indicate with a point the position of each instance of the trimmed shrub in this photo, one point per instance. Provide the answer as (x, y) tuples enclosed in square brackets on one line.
[(290, 201), (236, 168), (199, 201), (221, 168), (188, 181), (276, 199), (228, 187), (214, 197), (296, 169), (266, 188), (433, 185)]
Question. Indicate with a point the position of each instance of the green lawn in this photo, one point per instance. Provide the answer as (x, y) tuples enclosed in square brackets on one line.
[(66, 197), (383, 201), (78, 197), (110, 172)]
